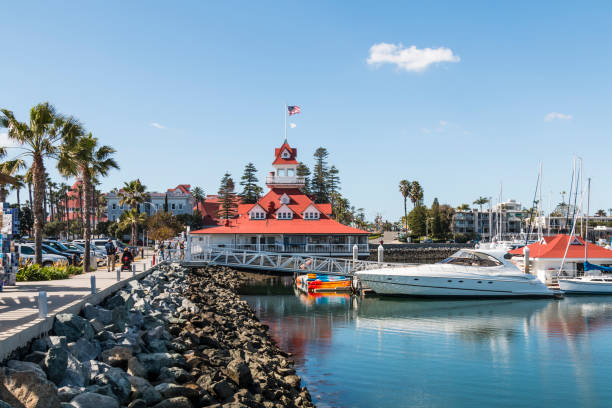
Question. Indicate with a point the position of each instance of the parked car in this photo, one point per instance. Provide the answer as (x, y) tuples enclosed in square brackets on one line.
[(26, 252), (100, 252), (69, 257), (58, 246), (75, 250)]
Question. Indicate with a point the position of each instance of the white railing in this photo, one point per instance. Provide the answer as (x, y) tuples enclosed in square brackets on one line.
[(294, 263), (332, 249), (285, 180)]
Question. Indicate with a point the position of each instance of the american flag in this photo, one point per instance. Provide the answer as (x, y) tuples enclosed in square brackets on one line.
[(293, 110)]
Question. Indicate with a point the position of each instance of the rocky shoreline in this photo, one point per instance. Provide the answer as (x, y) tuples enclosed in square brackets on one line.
[(172, 339)]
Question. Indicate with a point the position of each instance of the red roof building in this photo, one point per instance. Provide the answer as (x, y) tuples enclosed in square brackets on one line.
[(546, 256), (283, 220)]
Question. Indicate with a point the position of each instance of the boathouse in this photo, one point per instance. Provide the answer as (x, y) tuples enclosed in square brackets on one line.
[(283, 220), (546, 256)]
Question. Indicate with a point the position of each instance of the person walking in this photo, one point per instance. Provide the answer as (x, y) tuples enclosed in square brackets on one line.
[(182, 248), (161, 251), (126, 259), (110, 255)]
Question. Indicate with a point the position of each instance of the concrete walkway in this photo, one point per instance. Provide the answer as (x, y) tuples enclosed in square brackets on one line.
[(19, 304)]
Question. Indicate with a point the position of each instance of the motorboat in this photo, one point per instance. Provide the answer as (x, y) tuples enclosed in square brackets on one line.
[(588, 285), (467, 273), (315, 283)]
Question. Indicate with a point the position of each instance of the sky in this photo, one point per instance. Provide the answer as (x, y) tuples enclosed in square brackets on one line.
[(460, 96)]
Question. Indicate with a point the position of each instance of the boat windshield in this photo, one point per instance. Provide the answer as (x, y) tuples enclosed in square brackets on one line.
[(472, 258)]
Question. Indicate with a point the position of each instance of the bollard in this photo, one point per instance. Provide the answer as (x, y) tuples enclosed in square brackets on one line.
[(526, 258), (381, 253), (42, 304), (133, 269), (118, 274), (93, 284), (153, 261), (355, 252)]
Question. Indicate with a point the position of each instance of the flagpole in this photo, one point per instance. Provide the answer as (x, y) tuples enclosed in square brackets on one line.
[(285, 116)]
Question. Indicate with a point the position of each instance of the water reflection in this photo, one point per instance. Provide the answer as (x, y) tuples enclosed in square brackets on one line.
[(401, 352)]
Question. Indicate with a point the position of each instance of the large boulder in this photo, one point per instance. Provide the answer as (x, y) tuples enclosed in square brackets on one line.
[(55, 364), (27, 389), (118, 381), (90, 311), (177, 402), (117, 356), (142, 389), (93, 400), (238, 371), (73, 327), (76, 374), (17, 365), (85, 350)]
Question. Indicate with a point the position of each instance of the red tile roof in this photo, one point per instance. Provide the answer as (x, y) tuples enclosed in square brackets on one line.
[(274, 226), (554, 247), (298, 202), (292, 155)]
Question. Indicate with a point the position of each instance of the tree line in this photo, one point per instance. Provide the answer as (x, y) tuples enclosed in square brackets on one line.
[(322, 185)]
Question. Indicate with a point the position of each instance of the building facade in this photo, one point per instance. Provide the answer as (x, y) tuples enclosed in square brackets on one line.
[(285, 219), (180, 201), (505, 220)]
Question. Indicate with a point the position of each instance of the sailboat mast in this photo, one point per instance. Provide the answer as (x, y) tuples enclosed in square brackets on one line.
[(586, 243)]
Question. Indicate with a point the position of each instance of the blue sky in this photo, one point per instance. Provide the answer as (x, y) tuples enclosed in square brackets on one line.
[(502, 87)]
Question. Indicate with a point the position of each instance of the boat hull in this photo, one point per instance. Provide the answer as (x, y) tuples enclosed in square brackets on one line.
[(574, 286), (323, 283), (460, 287)]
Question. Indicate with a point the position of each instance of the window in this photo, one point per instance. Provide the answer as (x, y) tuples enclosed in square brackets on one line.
[(180, 206), (290, 172), (311, 215), (114, 206), (284, 215), (258, 215), (173, 206), (26, 250)]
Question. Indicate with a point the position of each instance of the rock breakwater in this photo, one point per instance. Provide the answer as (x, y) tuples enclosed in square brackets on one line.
[(173, 339)]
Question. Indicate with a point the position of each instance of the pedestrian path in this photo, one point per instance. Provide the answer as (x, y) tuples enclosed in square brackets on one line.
[(19, 304)]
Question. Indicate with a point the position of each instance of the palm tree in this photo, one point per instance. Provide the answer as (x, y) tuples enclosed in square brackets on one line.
[(131, 218), (17, 186), (81, 156), (416, 193), (480, 202), (9, 168), (133, 194), (463, 207), (198, 195), (404, 188), (600, 213), (39, 139)]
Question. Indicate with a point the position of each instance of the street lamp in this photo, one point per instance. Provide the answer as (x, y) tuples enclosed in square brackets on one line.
[(156, 210)]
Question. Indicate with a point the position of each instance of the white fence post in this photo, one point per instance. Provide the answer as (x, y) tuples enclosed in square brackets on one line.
[(381, 253), (42, 304), (355, 252)]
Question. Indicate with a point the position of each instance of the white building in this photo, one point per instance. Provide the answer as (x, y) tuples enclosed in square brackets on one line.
[(180, 201)]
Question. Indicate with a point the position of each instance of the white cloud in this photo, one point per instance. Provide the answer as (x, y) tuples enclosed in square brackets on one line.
[(6, 142), (157, 125), (556, 115), (411, 58), (292, 125)]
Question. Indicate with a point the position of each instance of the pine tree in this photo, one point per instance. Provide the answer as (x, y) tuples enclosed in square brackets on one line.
[(303, 171), (333, 183), (251, 191), (166, 203), (436, 219), (227, 198), (321, 176)]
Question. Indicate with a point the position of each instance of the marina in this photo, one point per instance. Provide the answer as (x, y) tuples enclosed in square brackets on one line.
[(363, 352)]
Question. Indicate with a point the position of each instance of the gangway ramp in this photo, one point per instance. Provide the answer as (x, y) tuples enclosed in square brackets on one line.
[(282, 262)]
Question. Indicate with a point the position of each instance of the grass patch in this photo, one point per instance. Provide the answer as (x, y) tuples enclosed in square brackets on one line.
[(31, 273)]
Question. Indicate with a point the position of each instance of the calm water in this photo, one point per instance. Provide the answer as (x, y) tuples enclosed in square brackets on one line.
[(376, 352)]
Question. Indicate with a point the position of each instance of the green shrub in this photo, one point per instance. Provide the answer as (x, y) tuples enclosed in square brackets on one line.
[(36, 272)]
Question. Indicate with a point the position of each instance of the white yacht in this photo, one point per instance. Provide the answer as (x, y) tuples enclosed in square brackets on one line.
[(467, 273), (588, 285)]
